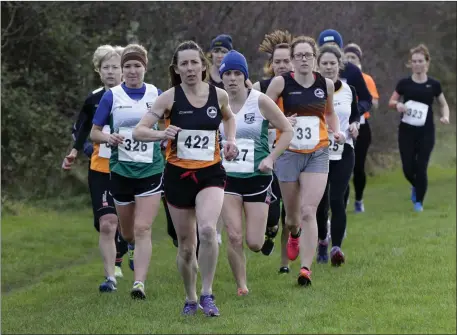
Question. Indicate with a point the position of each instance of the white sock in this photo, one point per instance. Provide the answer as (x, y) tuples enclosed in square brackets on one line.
[(113, 279)]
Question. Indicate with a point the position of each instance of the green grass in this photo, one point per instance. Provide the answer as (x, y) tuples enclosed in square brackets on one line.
[(399, 277)]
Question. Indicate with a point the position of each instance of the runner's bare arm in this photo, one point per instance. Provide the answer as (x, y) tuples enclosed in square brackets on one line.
[(162, 105), (228, 118)]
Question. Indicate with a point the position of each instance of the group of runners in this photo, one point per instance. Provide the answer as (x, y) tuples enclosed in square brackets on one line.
[(215, 145)]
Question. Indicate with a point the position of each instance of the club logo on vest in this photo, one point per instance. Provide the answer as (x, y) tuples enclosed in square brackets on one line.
[(149, 104), (319, 93), (249, 118), (211, 112)]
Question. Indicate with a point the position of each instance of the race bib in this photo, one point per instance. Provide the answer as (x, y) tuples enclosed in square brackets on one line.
[(335, 149), (416, 113), (197, 145), (244, 162), (134, 151), (306, 133), (105, 149), (271, 139)]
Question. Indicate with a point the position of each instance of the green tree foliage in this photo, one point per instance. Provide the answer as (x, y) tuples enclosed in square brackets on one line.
[(47, 49)]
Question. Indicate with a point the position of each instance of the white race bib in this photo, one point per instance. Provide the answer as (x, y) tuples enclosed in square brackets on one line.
[(335, 149), (416, 113), (271, 138), (362, 119), (134, 151), (197, 145), (306, 133), (105, 150), (244, 162)]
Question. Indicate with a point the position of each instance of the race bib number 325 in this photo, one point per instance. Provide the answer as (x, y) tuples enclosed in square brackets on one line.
[(198, 145), (306, 133), (134, 151)]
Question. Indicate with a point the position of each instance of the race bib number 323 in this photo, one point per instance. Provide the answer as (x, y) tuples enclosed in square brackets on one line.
[(416, 113), (198, 145)]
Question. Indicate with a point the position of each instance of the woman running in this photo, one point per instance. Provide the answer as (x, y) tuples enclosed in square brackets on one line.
[(341, 157), (416, 132), (353, 54), (107, 63), (277, 46), (302, 170), (220, 46), (136, 167), (194, 176), (249, 175)]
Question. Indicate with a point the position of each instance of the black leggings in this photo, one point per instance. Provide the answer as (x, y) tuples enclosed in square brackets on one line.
[(337, 184), (416, 145), (360, 150), (274, 210), (170, 227)]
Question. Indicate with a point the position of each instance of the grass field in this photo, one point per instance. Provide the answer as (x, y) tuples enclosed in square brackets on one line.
[(400, 275)]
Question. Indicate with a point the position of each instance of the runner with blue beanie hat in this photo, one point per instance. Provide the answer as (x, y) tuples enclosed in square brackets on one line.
[(233, 60)]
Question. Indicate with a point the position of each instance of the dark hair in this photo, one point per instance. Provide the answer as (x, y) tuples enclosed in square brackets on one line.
[(333, 49), (175, 79), (303, 39)]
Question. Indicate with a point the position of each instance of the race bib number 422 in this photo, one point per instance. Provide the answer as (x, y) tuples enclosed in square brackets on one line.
[(306, 133), (197, 145)]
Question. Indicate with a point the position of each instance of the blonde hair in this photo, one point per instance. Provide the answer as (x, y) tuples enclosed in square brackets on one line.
[(420, 49), (103, 53), (278, 39), (119, 49)]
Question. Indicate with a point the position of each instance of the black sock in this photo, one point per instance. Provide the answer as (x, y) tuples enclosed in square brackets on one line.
[(298, 234)]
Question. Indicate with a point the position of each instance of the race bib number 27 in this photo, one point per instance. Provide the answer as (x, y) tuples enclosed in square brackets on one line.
[(244, 162)]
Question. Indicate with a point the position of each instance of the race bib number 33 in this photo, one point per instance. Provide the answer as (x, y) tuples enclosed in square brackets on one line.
[(198, 145), (134, 151), (416, 113), (306, 133), (244, 162)]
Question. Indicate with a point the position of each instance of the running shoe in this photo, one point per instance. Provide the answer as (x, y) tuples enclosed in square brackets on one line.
[(242, 292), (336, 256), (138, 291), (358, 206), (118, 272), (268, 246), (131, 252), (108, 285), (293, 247), (284, 269), (322, 252), (190, 308), (304, 277), (418, 207), (207, 304)]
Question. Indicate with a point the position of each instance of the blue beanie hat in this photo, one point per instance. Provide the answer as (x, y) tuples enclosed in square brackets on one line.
[(330, 35), (223, 40), (233, 60)]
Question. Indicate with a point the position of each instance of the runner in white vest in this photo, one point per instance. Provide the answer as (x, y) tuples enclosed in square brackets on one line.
[(249, 175)]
